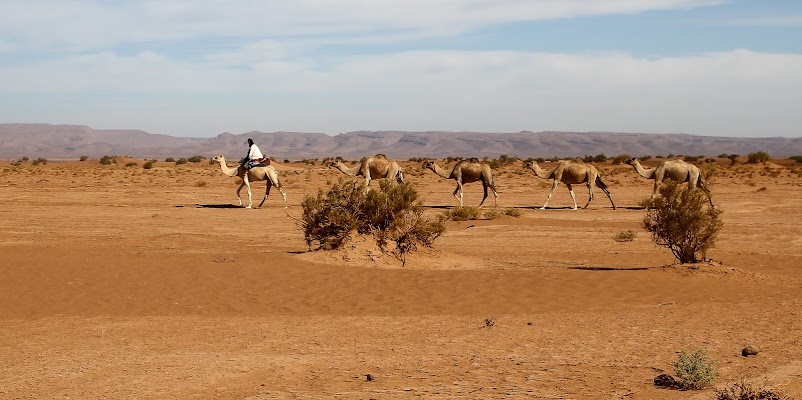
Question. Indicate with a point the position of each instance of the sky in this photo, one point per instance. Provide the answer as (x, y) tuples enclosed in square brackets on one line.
[(200, 68)]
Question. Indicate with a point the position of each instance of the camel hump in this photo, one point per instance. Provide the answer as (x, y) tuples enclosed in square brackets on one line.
[(380, 155), (473, 160)]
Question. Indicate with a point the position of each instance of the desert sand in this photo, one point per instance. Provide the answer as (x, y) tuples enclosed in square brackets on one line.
[(121, 283)]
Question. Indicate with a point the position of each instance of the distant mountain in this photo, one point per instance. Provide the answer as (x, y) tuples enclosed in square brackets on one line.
[(73, 141)]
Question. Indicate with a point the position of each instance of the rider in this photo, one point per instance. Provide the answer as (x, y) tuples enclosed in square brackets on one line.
[(254, 156)]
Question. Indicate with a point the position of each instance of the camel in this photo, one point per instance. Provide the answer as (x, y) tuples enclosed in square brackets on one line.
[(571, 173), (268, 174), (376, 167), (676, 170), (467, 171)]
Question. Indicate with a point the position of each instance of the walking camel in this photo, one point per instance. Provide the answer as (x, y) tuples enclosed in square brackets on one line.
[(376, 167), (255, 174), (467, 171), (676, 170), (571, 173)]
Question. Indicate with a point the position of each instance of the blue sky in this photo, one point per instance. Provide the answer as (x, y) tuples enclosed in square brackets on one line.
[(706, 67)]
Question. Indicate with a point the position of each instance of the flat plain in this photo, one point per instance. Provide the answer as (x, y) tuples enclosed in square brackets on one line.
[(120, 282)]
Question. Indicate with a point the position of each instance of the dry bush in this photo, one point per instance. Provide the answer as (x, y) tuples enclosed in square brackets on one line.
[(495, 213), (131, 164), (758, 157), (694, 371), (627, 236), (148, 165), (84, 158), (744, 390), (464, 213), (393, 214), (681, 220), (200, 183)]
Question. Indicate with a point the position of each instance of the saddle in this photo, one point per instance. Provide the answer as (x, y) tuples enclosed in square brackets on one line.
[(257, 162)]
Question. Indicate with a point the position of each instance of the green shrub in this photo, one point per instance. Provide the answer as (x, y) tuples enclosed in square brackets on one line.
[(181, 161), (196, 159), (393, 214), (108, 160), (796, 158), (743, 390), (131, 164), (691, 158), (25, 158), (464, 213), (757, 158), (681, 220), (694, 371), (627, 236), (733, 158), (148, 165), (38, 161), (84, 158), (169, 159)]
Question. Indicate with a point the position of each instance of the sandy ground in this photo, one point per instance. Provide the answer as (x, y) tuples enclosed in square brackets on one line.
[(124, 283)]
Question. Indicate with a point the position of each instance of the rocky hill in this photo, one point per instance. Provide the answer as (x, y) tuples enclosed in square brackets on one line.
[(73, 141)]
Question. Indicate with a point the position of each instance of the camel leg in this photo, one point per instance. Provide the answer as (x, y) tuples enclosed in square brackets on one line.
[(483, 198), (458, 193), (571, 191), (238, 191), (590, 193), (248, 186), (553, 187), (495, 195), (603, 187), (269, 183)]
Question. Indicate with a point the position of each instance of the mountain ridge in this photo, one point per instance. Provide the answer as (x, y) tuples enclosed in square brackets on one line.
[(73, 141)]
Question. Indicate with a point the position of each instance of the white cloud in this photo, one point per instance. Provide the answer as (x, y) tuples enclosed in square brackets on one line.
[(728, 93), (92, 25)]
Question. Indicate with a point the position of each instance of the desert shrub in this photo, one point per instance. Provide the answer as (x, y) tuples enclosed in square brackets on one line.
[(464, 213), (393, 214), (757, 158), (493, 214), (196, 159), (619, 159), (16, 163), (796, 158), (496, 213), (25, 158), (181, 161), (694, 371), (646, 157), (596, 158), (131, 164), (84, 158), (286, 161), (38, 161), (148, 165), (744, 390), (200, 183), (681, 220), (169, 159), (691, 158), (733, 158), (627, 236), (108, 160)]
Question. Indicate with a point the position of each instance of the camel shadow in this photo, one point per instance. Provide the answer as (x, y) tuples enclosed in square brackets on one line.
[(217, 206)]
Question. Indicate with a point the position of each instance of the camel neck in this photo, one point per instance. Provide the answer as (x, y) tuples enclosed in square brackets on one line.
[(646, 173)]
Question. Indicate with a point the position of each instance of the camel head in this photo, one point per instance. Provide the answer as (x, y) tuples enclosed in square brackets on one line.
[(428, 164), (631, 161), (218, 158), (333, 163)]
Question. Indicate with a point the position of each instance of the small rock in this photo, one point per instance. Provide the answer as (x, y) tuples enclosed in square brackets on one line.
[(665, 380), (750, 351), (368, 378)]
